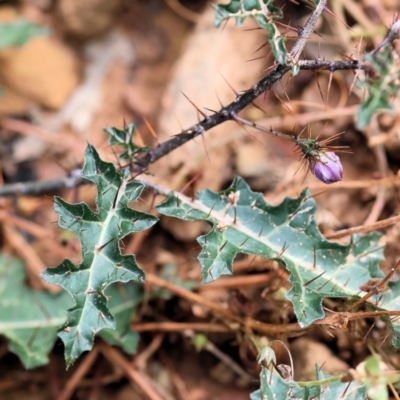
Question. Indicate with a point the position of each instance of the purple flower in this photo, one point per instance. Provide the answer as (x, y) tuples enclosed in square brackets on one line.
[(326, 167)]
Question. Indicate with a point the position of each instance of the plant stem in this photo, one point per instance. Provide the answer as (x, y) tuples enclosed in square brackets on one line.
[(230, 111), (264, 129), (322, 381), (226, 113), (306, 32)]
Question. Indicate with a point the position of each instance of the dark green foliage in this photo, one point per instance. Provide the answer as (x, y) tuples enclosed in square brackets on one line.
[(242, 222), (102, 262), (124, 138), (30, 319), (264, 12)]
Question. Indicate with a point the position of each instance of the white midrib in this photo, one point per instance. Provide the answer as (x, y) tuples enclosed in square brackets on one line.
[(229, 222), (101, 242)]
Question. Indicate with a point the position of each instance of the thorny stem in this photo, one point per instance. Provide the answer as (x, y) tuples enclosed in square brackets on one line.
[(37, 188), (305, 33), (376, 290), (392, 34), (225, 114), (230, 111), (263, 128)]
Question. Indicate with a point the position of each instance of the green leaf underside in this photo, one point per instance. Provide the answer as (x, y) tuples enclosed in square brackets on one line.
[(243, 222), (30, 319), (240, 10), (102, 262), (18, 32), (273, 387)]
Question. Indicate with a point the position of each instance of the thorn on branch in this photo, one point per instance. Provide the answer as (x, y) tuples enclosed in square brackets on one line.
[(205, 116)]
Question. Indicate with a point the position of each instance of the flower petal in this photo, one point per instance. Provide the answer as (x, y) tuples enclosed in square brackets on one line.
[(327, 167)]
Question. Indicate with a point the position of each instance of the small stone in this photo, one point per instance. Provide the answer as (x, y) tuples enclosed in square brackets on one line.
[(43, 70)]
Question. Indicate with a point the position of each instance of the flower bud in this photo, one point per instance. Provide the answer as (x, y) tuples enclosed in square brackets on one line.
[(326, 167)]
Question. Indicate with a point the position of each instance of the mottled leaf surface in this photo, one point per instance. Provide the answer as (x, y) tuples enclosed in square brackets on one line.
[(242, 222), (102, 262)]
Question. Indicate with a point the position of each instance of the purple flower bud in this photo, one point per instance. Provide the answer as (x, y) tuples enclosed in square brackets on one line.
[(327, 167)]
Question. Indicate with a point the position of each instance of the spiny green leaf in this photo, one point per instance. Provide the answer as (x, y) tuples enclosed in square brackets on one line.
[(390, 300), (124, 138), (242, 9), (30, 319), (102, 262), (18, 32), (273, 387), (377, 100), (264, 12), (382, 86), (243, 222)]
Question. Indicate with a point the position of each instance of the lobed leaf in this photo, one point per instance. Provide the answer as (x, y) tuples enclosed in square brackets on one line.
[(264, 12), (102, 262), (30, 319), (273, 387), (243, 222), (124, 138)]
